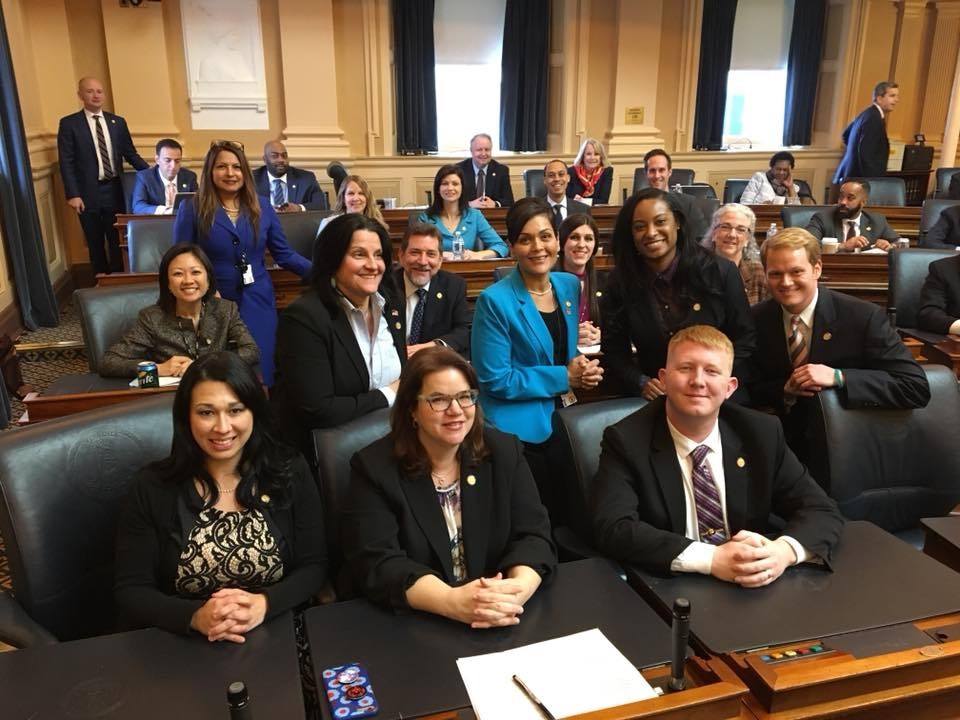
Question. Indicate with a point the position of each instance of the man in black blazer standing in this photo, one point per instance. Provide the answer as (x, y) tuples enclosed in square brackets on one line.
[(940, 297), (92, 145), (868, 149), (855, 228), (289, 189), (810, 339), (156, 188), (486, 183), (556, 178), (688, 482), (433, 307)]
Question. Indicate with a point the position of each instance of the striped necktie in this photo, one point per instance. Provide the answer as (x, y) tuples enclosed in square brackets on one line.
[(798, 341), (108, 173), (707, 499), (278, 195)]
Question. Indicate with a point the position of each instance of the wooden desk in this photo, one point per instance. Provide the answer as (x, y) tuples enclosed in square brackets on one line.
[(47, 407)]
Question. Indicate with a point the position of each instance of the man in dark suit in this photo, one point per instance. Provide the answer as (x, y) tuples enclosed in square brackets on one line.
[(289, 189), (556, 178), (810, 339), (486, 183), (433, 306), (940, 297), (689, 482), (868, 149), (157, 187), (658, 167), (945, 233), (854, 227), (92, 145), (953, 191)]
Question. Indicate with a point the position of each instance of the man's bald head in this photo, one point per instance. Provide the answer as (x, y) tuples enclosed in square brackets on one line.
[(275, 158), (91, 93)]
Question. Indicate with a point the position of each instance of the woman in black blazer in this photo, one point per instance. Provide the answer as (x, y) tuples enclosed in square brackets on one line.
[(228, 530), (340, 345), (444, 515)]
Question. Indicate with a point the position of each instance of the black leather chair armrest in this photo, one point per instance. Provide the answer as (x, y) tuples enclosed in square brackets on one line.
[(19, 629)]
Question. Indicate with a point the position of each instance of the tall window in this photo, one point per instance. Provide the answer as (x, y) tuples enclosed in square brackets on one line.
[(468, 39), (757, 81)]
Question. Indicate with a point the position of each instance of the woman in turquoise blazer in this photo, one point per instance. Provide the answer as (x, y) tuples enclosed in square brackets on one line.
[(524, 342), (453, 216)]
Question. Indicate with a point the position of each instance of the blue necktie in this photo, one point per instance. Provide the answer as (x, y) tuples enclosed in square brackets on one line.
[(416, 322), (278, 193)]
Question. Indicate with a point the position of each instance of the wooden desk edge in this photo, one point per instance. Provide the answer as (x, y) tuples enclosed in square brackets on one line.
[(48, 407)]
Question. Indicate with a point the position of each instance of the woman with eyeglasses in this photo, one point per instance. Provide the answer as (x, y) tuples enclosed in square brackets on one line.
[(235, 228), (731, 236), (443, 515)]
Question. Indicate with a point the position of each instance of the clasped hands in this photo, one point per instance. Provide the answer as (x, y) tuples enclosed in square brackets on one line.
[(809, 379), (751, 560), (489, 602), (229, 614), (584, 373), (588, 334), (176, 366)]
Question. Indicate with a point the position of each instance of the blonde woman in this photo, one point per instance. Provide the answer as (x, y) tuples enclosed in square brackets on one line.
[(590, 175)]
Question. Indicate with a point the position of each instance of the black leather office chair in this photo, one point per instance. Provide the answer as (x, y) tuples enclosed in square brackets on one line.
[(800, 215), (805, 188), (733, 188), (907, 269), (336, 172), (147, 241), (501, 271), (61, 484), (930, 213), (887, 191), (578, 430), (891, 467), (699, 190), (944, 176), (106, 313), (128, 181), (300, 230), (533, 182), (333, 448)]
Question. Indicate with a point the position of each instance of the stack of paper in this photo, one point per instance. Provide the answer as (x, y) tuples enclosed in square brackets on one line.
[(570, 675)]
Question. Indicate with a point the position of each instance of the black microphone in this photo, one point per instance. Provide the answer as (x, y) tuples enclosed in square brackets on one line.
[(238, 701), (681, 632)]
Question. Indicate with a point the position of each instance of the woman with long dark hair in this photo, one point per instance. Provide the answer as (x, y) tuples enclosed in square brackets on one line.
[(235, 228), (227, 531), (443, 515), (579, 242), (664, 281)]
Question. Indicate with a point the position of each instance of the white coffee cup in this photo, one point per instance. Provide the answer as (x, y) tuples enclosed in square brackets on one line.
[(829, 245), (389, 203)]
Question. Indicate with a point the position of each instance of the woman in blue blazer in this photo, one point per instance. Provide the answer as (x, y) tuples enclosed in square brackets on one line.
[(453, 216), (235, 227), (524, 341)]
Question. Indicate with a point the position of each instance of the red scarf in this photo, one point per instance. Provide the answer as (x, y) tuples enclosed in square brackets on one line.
[(587, 178)]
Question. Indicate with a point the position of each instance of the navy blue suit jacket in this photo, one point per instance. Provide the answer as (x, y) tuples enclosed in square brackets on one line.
[(302, 187), (497, 183), (78, 155), (148, 192), (867, 147)]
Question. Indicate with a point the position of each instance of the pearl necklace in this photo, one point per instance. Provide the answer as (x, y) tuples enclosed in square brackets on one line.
[(541, 293)]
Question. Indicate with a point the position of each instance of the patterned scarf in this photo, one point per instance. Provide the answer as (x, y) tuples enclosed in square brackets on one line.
[(588, 178)]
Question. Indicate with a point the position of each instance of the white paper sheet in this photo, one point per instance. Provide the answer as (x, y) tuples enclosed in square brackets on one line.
[(563, 673)]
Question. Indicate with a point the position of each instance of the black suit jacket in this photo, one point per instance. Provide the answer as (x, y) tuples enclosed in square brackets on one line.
[(149, 192), (873, 226), (321, 379), (945, 233), (78, 155), (696, 223), (394, 531), (867, 148), (574, 207), (497, 182), (940, 296), (446, 315), (848, 334), (601, 189), (302, 187), (953, 191), (638, 506)]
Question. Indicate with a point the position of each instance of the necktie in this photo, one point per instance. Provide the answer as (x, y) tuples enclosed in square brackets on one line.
[(851, 230), (481, 184), (278, 193), (557, 216), (171, 194), (798, 341), (416, 322), (707, 499), (108, 173)]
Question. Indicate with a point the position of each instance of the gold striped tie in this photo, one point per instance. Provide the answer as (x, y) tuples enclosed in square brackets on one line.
[(798, 341)]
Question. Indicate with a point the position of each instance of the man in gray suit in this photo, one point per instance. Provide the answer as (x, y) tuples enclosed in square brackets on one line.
[(854, 227)]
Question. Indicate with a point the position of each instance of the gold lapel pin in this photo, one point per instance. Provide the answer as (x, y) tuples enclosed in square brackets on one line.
[(599, 293), (113, 121), (827, 335), (265, 498), (741, 462), (568, 303), (398, 326), (696, 307), (471, 479), (439, 296)]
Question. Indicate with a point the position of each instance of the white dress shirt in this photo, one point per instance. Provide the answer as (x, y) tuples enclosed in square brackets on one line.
[(166, 209), (563, 206), (92, 124), (379, 352), (806, 315), (698, 556)]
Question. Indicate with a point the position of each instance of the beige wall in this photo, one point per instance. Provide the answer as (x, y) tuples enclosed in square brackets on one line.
[(330, 86)]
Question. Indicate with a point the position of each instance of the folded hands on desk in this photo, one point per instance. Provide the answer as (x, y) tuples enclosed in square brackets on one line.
[(229, 614), (751, 560)]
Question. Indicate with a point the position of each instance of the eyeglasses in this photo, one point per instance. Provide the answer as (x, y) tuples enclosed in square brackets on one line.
[(227, 144), (442, 403), (738, 229)]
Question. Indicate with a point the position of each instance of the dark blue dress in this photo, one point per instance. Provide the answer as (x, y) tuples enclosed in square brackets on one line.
[(224, 245)]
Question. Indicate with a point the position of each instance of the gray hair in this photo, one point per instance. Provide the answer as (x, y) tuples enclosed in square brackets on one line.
[(750, 250)]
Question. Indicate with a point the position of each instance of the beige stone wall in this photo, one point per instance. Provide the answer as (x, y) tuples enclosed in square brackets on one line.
[(330, 87)]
